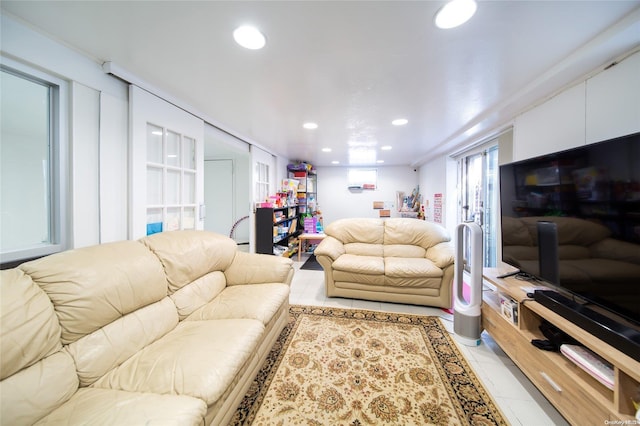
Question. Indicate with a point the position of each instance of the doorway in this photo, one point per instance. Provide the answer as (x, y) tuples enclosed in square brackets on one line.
[(227, 186)]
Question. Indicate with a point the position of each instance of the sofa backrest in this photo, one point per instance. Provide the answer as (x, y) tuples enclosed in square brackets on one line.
[(110, 300), (393, 237), (36, 375), (403, 236), (194, 263), (357, 230), (360, 236)]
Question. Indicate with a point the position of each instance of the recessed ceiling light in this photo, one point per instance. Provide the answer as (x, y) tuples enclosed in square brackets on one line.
[(380, 161), (455, 13), (335, 162), (310, 125), (326, 149), (400, 122), (249, 37), (386, 148)]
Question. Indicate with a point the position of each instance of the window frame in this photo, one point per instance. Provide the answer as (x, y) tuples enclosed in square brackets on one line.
[(488, 211), (59, 191)]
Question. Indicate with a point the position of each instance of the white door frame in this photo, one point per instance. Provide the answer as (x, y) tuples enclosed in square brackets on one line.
[(144, 108)]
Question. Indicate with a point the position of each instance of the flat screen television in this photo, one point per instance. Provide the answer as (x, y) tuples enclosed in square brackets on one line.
[(571, 219)]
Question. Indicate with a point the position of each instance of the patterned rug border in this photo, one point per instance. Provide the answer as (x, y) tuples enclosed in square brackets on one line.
[(255, 395)]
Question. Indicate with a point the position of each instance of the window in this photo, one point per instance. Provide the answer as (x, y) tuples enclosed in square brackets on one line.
[(262, 181), (32, 163), (171, 180), (478, 196), (367, 178)]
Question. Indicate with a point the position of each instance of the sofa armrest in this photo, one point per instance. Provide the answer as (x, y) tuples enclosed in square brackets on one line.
[(253, 268), (330, 247), (442, 254)]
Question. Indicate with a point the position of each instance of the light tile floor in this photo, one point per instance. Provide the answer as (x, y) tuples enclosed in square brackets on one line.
[(519, 400)]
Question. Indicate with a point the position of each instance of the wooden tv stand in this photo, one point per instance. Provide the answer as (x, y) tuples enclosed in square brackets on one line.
[(580, 398)]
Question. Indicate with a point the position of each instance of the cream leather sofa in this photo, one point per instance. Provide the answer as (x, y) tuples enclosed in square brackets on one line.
[(392, 260), (168, 330)]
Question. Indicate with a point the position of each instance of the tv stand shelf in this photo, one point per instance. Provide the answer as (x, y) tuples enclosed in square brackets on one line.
[(580, 398)]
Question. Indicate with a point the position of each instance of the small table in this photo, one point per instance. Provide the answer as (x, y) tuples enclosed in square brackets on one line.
[(308, 237)]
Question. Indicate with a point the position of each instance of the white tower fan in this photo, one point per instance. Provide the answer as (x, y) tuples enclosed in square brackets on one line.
[(467, 324)]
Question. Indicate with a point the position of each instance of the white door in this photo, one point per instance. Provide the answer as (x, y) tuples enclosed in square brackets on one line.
[(167, 163), (263, 185), (218, 196)]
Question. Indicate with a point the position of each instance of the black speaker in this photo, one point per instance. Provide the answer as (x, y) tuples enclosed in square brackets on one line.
[(549, 266)]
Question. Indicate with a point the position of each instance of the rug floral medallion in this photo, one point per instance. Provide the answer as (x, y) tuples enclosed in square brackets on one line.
[(353, 367)]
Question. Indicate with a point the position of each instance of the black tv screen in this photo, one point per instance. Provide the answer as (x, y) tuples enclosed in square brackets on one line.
[(589, 198)]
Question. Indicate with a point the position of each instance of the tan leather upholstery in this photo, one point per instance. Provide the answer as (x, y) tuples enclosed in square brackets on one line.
[(394, 260), (170, 330)]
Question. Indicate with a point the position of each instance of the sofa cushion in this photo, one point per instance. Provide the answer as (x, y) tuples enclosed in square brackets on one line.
[(29, 328), (35, 391), (413, 232), (195, 295), (197, 358), (355, 230), (364, 249), (93, 286), (189, 255), (404, 250), (99, 352), (252, 301), (368, 265), (91, 406), (411, 267)]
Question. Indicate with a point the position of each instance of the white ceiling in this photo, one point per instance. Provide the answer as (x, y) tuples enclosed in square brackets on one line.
[(350, 66)]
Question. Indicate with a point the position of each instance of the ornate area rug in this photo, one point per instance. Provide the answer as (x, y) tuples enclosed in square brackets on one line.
[(353, 367)]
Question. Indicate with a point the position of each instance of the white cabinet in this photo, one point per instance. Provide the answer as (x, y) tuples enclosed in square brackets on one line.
[(613, 101), (603, 107), (555, 125)]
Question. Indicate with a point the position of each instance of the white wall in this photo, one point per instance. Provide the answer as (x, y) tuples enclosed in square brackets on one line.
[(439, 176), (335, 201)]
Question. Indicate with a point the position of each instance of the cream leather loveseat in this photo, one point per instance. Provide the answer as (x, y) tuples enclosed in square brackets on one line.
[(167, 330), (393, 260)]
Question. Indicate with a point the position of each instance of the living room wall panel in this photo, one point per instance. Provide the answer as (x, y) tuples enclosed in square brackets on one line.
[(85, 142), (113, 178)]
